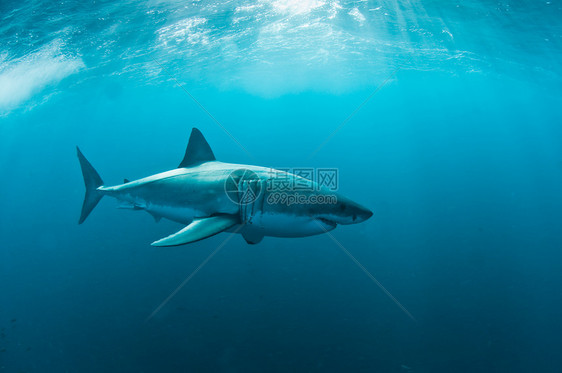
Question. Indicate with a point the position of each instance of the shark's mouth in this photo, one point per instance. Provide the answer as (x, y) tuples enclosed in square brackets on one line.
[(328, 222)]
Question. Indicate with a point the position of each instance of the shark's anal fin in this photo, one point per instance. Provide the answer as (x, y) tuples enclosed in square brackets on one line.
[(198, 230), (130, 206), (133, 206)]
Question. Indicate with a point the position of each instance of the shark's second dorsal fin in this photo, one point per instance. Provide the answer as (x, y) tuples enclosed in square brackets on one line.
[(198, 150)]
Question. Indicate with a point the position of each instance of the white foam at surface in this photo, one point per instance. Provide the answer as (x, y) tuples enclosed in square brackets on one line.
[(23, 78), (355, 13), (185, 30), (296, 7)]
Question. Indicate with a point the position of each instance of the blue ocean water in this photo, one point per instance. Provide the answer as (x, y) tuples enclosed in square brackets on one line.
[(441, 117)]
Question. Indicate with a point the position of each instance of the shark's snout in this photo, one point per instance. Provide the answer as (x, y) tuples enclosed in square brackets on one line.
[(357, 214), (362, 214), (348, 212)]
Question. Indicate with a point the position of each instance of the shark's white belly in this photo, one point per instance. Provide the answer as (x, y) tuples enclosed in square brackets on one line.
[(178, 213), (183, 215), (286, 225)]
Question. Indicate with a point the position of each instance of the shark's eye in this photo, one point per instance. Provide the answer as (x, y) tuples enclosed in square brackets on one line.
[(343, 206)]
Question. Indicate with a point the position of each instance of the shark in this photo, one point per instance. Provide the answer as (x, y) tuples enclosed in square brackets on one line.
[(208, 197)]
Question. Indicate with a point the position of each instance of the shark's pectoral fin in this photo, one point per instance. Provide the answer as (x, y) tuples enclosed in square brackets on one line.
[(252, 237), (198, 230)]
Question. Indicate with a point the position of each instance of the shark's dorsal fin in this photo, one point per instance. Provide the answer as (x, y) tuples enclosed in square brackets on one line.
[(125, 181), (198, 150)]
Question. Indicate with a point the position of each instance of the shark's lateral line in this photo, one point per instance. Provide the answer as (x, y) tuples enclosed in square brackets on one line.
[(210, 197)]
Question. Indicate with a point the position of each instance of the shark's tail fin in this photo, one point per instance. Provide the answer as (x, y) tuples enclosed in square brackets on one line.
[(92, 181)]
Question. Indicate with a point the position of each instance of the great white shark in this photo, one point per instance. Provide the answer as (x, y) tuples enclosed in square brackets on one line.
[(209, 197)]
